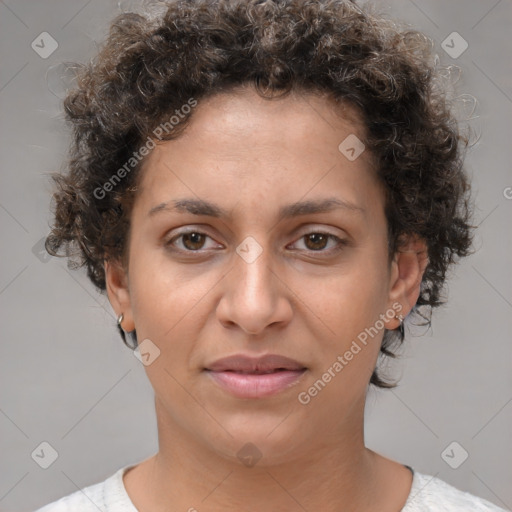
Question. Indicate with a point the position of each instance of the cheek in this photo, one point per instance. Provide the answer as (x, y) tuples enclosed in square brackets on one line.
[(352, 298), (350, 303), (165, 311), (154, 292), (166, 297), (348, 338)]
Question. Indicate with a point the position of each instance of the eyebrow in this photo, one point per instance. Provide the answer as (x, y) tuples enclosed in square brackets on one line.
[(206, 208)]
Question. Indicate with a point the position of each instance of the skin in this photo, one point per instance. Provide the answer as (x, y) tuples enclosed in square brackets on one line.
[(299, 298)]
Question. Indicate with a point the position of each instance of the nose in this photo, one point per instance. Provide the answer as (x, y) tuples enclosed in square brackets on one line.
[(254, 297)]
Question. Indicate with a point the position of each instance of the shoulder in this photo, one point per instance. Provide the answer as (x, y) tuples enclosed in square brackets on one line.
[(108, 496), (430, 494)]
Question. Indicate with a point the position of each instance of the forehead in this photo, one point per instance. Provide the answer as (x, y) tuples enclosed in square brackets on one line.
[(242, 112), (241, 146)]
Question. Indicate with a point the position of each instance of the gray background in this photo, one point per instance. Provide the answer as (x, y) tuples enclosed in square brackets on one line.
[(67, 379)]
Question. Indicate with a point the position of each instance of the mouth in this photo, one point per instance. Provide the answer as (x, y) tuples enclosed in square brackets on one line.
[(260, 372), (247, 377), (268, 363)]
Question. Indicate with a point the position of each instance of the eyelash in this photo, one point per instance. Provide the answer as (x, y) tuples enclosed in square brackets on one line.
[(341, 242)]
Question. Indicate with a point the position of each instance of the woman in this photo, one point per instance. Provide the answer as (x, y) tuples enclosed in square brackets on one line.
[(265, 190)]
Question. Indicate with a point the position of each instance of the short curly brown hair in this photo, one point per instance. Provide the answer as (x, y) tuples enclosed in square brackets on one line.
[(152, 65)]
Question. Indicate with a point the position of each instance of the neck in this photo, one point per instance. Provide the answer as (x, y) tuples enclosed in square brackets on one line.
[(332, 474)]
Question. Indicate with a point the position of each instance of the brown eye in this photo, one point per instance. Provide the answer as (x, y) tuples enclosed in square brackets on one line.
[(193, 241), (190, 241), (316, 241)]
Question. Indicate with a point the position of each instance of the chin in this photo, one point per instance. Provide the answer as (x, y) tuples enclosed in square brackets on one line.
[(260, 441)]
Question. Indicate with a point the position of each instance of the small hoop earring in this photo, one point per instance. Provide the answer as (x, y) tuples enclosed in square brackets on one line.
[(400, 327), (123, 333)]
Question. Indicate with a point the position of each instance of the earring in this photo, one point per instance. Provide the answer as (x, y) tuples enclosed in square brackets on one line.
[(400, 327), (122, 332)]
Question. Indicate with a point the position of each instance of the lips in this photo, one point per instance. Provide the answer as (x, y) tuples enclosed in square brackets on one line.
[(255, 378), (269, 363)]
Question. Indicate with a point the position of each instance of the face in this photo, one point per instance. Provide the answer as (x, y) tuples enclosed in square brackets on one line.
[(253, 234)]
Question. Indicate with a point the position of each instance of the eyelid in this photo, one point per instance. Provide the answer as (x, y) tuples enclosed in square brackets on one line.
[(318, 228), (324, 229)]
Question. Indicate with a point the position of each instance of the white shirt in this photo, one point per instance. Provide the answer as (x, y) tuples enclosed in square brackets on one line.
[(428, 494)]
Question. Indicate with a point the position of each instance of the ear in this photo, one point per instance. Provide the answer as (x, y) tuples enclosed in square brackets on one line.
[(116, 282), (407, 269)]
